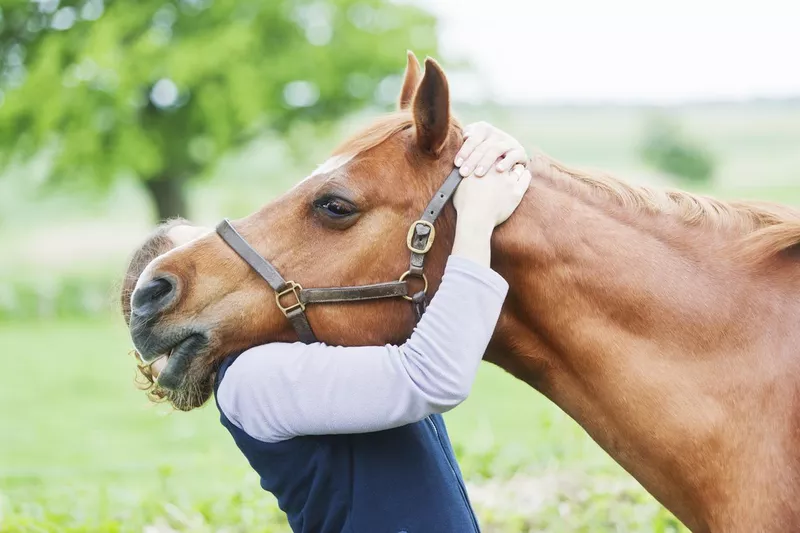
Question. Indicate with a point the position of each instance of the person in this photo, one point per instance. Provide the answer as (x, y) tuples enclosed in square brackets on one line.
[(352, 439)]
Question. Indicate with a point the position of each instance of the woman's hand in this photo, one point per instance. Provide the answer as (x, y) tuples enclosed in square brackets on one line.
[(490, 200), (484, 145), (482, 204)]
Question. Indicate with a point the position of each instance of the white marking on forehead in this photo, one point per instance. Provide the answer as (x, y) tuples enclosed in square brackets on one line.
[(337, 161)]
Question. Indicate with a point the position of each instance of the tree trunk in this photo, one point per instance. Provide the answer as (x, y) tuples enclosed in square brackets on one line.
[(168, 196)]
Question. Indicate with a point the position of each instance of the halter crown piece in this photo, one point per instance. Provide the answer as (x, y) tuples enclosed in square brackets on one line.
[(292, 298)]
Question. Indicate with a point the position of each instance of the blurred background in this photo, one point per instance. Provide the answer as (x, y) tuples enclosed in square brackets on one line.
[(115, 114)]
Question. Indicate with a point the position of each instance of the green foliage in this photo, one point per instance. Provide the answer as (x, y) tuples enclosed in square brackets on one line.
[(158, 88), (668, 149)]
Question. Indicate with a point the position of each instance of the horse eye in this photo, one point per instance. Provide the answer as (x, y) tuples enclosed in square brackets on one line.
[(334, 207)]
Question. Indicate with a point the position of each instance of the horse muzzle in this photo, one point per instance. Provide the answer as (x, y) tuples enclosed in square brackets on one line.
[(155, 340)]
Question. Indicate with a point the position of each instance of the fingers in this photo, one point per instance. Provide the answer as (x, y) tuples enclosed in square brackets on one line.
[(473, 160), (524, 179), (485, 155), (492, 154), (484, 146), (474, 137), (512, 157), (481, 129)]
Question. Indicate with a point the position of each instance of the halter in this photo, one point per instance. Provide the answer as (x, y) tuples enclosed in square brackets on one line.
[(419, 241)]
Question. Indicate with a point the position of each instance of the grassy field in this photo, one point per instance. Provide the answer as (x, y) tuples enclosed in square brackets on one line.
[(81, 450)]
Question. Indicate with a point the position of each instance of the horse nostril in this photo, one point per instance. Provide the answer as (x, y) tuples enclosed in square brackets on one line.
[(153, 297), (160, 288)]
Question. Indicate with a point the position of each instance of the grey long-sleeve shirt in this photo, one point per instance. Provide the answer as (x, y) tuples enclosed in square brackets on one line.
[(282, 390)]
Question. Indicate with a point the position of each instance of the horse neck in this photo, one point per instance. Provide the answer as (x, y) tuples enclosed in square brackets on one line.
[(641, 329)]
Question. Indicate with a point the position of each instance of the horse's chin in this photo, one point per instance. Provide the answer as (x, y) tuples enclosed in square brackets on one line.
[(185, 377), (186, 399), (195, 388)]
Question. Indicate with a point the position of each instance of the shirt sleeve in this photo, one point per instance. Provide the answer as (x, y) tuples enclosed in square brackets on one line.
[(282, 390)]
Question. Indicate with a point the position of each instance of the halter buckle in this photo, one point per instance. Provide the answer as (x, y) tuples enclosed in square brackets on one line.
[(424, 280), (412, 231), (294, 288)]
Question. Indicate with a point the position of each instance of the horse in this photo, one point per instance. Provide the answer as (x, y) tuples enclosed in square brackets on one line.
[(667, 324)]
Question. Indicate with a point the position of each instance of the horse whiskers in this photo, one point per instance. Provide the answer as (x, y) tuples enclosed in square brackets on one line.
[(144, 381), (194, 393), (191, 396)]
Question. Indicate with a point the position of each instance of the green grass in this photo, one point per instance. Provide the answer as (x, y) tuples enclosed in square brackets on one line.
[(83, 450)]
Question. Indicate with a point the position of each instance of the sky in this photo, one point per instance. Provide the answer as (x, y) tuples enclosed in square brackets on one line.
[(621, 51)]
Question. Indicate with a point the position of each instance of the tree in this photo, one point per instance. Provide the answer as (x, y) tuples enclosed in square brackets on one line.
[(668, 149), (160, 89)]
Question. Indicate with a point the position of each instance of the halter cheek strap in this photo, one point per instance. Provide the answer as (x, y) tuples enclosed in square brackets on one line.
[(420, 238), (295, 312), (421, 234)]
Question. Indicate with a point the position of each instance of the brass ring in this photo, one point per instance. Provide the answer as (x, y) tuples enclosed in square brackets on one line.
[(424, 279)]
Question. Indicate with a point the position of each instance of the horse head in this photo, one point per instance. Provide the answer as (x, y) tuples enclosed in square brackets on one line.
[(345, 224)]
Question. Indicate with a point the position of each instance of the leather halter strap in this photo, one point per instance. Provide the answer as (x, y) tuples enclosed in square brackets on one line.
[(420, 238), (296, 315), (423, 233)]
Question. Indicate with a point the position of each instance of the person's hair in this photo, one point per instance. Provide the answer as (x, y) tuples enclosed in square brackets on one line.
[(156, 244)]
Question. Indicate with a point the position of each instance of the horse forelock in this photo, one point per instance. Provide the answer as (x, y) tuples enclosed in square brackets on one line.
[(376, 133), (380, 131)]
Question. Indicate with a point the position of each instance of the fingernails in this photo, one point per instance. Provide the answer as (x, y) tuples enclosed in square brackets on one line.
[(480, 171), (459, 161), (501, 168), (464, 171)]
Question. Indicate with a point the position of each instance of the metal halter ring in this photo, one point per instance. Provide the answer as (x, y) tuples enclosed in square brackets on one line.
[(294, 288), (424, 279), (412, 230)]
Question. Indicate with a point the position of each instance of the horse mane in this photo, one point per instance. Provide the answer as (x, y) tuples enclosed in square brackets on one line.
[(765, 228)]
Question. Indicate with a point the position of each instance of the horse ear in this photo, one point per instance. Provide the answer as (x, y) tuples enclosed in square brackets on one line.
[(410, 82), (432, 108)]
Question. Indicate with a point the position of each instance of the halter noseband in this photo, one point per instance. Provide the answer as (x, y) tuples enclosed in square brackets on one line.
[(419, 240)]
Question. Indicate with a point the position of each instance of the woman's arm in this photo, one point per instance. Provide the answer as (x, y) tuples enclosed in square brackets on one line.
[(278, 391)]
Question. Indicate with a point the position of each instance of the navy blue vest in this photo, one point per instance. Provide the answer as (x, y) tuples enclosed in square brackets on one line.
[(403, 480)]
